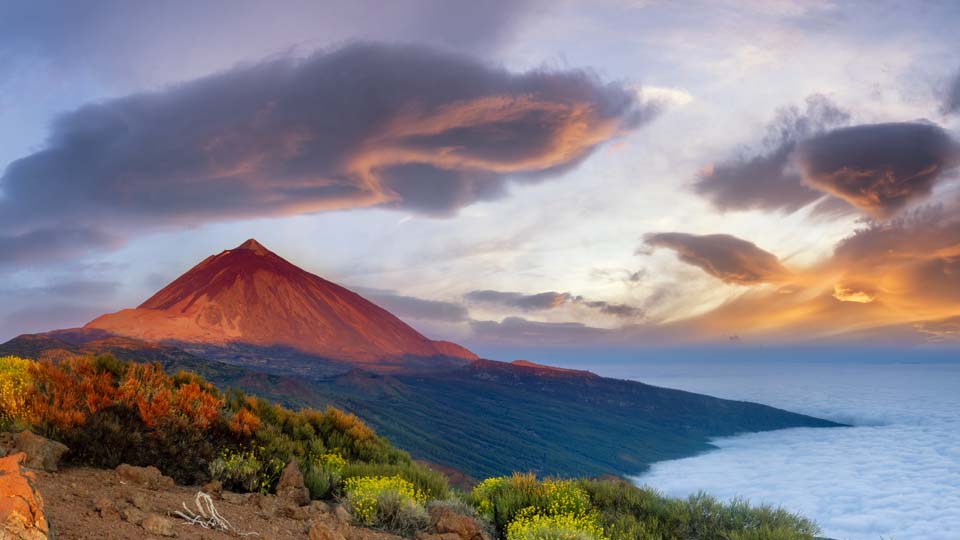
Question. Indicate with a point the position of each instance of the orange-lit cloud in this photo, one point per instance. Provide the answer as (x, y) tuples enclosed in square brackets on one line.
[(360, 126), (899, 279), (723, 256)]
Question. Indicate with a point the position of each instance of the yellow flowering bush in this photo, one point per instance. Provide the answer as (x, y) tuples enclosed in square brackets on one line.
[(482, 495), (332, 462), (385, 501), (531, 524), (565, 497), (14, 382)]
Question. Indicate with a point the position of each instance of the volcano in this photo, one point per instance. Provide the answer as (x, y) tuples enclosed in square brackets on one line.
[(251, 296)]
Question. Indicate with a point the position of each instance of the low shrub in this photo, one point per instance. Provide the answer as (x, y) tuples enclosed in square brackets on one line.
[(14, 381), (246, 470), (432, 484), (531, 524), (322, 476), (628, 512), (388, 502)]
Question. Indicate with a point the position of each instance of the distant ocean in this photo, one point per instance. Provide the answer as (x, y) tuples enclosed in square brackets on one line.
[(896, 475)]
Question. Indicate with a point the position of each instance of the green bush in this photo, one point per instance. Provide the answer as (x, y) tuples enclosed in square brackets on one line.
[(322, 476), (246, 471), (628, 512)]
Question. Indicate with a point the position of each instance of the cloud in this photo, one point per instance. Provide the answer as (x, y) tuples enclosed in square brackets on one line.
[(550, 300), (517, 330), (415, 308), (889, 282), (66, 289), (902, 402), (525, 302), (764, 179), (878, 168), (951, 96), (723, 256), (940, 331), (364, 125), (51, 243)]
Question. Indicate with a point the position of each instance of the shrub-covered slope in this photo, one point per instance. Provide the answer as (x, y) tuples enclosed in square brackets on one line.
[(111, 411)]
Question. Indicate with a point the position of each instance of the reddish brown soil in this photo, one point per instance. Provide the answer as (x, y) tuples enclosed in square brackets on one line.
[(72, 498)]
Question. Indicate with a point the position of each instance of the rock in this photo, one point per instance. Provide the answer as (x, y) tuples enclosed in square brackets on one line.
[(132, 515), (105, 508), (342, 514), (356, 533), (21, 506), (446, 520), (267, 505), (235, 498), (322, 531), (319, 507), (148, 477), (139, 501), (42, 453), (213, 487), (158, 525), (438, 536), (293, 511), (291, 486)]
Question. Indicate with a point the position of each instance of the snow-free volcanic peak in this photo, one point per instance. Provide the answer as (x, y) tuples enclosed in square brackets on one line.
[(250, 295)]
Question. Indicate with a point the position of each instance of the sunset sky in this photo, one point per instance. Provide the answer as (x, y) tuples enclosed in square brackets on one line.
[(502, 174)]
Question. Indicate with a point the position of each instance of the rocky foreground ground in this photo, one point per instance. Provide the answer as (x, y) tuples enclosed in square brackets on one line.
[(39, 501)]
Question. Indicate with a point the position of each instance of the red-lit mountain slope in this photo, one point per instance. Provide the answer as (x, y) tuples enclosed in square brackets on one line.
[(252, 296)]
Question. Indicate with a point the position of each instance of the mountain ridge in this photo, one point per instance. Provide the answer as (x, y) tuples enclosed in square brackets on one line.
[(238, 318), (253, 296)]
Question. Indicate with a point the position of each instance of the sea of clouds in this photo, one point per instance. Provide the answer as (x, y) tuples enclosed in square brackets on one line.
[(895, 475)]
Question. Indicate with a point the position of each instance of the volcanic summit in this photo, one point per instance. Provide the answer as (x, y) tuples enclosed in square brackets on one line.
[(250, 295)]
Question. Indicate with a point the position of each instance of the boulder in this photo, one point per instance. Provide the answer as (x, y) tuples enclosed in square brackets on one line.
[(21, 506), (342, 514), (446, 520), (148, 477), (291, 486), (105, 508), (322, 531), (236, 498), (42, 453), (356, 533), (438, 536), (132, 515), (158, 525)]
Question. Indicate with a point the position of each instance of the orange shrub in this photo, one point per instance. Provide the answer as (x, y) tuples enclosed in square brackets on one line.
[(244, 423)]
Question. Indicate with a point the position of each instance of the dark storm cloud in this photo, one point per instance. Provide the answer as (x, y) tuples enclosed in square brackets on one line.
[(764, 179), (549, 300), (360, 126), (723, 256), (878, 168), (415, 308)]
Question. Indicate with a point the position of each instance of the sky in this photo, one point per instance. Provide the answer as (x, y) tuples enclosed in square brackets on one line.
[(512, 175)]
